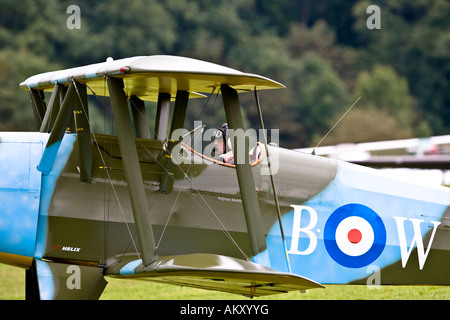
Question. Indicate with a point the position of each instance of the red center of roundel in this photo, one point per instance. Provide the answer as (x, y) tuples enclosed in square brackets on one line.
[(354, 236)]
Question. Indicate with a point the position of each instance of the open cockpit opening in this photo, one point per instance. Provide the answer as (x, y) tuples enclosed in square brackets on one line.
[(256, 155)]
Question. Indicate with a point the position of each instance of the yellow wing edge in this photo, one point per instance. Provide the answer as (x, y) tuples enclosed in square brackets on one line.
[(147, 76)]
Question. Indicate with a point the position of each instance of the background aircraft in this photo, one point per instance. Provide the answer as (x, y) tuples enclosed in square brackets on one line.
[(429, 152), (427, 159), (80, 206)]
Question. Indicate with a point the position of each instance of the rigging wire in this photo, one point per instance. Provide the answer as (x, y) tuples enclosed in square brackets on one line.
[(210, 212), (214, 216), (269, 164), (104, 165), (207, 101), (167, 221), (332, 128), (211, 108)]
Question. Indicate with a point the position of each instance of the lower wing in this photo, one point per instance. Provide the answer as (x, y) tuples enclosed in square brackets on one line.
[(213, 272)]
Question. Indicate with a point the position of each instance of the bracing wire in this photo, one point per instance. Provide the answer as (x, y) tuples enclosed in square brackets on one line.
[(211, 214), (272, 181), (105, 167), (334, 126)]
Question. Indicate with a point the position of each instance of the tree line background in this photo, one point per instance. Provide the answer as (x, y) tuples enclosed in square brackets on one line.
[(321, 50)]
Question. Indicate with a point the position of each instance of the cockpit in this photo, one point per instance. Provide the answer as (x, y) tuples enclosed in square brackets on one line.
[(215, 146)]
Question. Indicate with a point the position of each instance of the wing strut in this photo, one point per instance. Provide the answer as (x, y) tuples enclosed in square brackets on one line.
[(83, 132), (162, 116), (244, 172), (38, 106), (139, 118), (52, 109), (57, 134), (60, 118), (179, 114), (132, 169)]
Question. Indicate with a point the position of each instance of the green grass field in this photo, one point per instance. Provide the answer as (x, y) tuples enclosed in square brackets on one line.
[(12, 287)]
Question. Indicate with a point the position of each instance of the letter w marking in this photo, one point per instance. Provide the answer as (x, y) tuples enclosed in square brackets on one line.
[(416, 240)]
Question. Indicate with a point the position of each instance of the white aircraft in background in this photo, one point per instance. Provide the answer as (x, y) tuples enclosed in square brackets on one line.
[(425, 159)]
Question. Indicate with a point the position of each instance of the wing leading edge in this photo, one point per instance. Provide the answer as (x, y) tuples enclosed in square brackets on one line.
[(213, 272)]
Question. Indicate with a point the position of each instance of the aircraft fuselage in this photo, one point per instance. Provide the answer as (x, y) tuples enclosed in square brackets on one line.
[(342, 223)]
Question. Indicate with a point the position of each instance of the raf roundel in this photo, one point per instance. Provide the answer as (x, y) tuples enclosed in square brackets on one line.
[(354, 235)]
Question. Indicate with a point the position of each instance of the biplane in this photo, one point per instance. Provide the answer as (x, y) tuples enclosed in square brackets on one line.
[(79, 207)]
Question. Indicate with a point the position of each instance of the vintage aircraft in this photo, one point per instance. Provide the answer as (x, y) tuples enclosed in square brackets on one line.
[(79, 206), (426, 153)]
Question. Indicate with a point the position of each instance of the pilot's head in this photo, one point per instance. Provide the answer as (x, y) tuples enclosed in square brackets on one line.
[(221, 136)]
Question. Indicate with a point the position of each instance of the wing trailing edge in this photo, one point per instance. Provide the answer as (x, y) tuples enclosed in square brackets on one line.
[(213, 272)]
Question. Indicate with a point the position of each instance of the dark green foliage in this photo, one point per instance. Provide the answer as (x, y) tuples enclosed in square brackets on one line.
[(321, 50)]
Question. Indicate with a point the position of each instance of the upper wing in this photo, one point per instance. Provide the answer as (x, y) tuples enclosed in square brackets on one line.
[(146, 76), (213, 272)]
